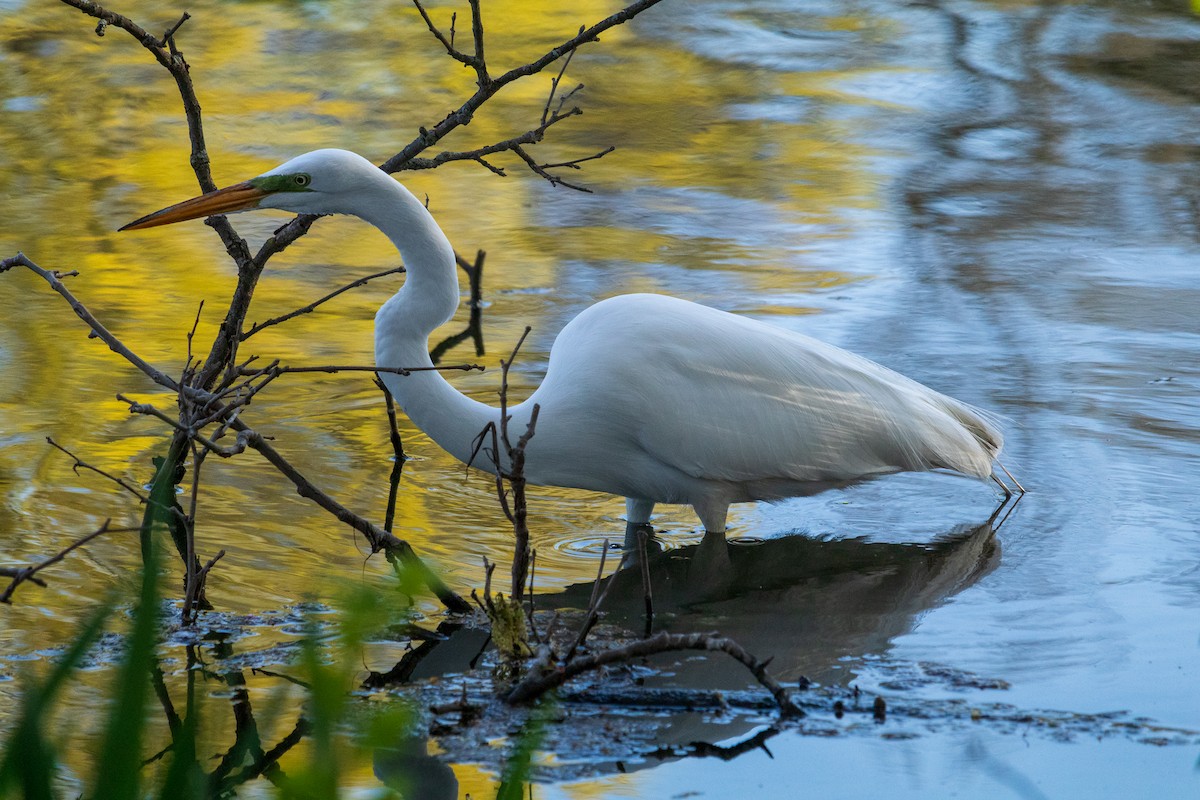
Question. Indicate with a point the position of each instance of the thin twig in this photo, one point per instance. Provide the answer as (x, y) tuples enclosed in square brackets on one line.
[(12, 572), (308, 309), (282, 370), (389, 516), (52, 277), (81, 464), (166, 37), (20, 575), (393, 426), (191, 433), (531, 136), (596, 601), (575, 162), (554, 84), (647, 588), (457, 55), (396, 550), (191, 335), (529, 609), (543, 169)]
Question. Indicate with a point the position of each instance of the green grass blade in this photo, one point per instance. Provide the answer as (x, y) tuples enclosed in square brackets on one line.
[(119, 771), (28, 763)]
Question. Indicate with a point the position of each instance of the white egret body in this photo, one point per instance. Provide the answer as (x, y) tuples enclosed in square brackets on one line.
[(650, 397)]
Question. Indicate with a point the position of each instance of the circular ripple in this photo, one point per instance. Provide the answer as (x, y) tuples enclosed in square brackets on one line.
[(591, 546), (748, 541)]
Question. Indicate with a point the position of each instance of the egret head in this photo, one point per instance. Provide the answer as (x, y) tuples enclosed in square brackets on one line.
[(320, 182)]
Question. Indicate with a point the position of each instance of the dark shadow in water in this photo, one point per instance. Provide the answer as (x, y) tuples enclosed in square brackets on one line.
[(815, 606), (410, 769), (247, 758), (811, 604)]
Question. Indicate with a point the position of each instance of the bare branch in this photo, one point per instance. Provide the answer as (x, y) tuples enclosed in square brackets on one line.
[(477, 34), (21, 575), (330, 368), (389, 516), (166, 37), (174, 63), (457, 55), (258, 326), (52, 277), (542, 170), (532, 136), (597, 600), (395, 549), (191, 433), (537, 683), (192, 335), (393, 428), (464, 113), (300, 225), (515, 475), (81, 464), (575, 162)]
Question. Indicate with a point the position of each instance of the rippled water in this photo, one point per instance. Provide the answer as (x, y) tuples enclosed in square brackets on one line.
[(1000, 200)]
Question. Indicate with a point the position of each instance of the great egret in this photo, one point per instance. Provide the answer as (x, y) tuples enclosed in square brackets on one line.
[(646, 396)]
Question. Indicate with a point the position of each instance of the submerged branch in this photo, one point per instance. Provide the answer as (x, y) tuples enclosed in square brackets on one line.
[(539, 682)]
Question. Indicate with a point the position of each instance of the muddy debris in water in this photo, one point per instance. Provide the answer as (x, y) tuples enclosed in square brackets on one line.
[(611, 719)]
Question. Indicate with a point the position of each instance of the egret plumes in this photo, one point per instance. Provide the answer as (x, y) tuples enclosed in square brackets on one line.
[(646, 396)]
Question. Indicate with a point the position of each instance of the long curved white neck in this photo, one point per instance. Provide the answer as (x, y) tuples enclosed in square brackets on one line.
[(428, 299)]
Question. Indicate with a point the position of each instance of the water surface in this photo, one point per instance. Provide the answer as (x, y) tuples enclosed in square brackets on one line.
[(1000, 200)]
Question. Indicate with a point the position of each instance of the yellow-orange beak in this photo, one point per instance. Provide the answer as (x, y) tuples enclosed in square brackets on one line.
[(238, 197)]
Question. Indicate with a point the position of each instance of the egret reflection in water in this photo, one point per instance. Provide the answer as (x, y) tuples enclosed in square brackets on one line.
[(814, 605), (809, 603)]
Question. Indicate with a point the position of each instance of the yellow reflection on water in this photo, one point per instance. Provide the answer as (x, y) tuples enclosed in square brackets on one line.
[(82, 158), (713, 194)]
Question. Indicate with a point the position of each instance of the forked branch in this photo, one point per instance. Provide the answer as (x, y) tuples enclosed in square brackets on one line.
[(538, 682), (21, 574)]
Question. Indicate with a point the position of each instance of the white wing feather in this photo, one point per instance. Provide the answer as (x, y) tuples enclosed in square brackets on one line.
[(664, 388)]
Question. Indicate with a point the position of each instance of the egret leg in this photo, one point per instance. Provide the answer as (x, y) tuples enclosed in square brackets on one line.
[(1020, 488), (712, 515), (637, 520), (711, 566), (638, 511)]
